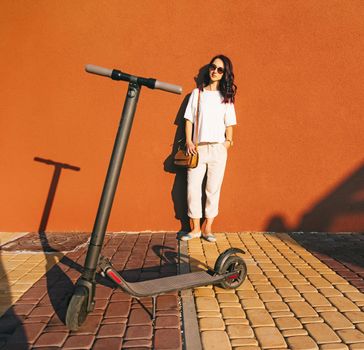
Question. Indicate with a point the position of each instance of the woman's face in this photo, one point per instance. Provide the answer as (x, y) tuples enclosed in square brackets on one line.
[(216, 70)]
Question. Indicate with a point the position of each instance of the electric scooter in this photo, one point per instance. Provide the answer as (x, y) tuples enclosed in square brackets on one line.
[(230, 270)]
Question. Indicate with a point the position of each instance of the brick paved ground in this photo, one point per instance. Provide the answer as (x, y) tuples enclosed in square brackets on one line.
[(290, 300), (118, 321), (297, 296), (342, 252)]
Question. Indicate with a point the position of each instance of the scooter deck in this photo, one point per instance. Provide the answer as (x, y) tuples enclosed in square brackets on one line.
[(161, 285), (172, 283)]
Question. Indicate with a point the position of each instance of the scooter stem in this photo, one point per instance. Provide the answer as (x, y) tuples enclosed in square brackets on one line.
[(111, 182)]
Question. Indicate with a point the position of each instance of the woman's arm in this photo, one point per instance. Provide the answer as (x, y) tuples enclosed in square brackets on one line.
[(190, 147), (228, 136)]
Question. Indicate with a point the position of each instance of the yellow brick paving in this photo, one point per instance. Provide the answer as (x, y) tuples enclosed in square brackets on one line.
[(20, 270), (290, 299), (6, 237)]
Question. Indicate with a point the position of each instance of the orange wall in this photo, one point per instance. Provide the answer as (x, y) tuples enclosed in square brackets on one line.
[(297, 162)]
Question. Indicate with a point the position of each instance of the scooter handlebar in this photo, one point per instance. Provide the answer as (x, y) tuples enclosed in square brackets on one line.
[(117, 75)]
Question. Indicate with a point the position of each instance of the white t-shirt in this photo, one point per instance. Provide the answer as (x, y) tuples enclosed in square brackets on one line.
[(214, 115)]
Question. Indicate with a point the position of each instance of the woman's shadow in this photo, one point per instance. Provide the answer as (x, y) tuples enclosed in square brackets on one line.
[(179, 188)]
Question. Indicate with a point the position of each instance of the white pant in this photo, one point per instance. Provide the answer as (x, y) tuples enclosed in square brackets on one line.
[(212, 157)]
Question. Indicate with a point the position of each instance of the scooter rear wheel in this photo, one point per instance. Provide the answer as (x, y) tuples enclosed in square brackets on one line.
[(77, 309), (233, 264)]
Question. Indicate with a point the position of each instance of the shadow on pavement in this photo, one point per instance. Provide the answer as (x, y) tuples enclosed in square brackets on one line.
[(10, 321), (152, 256)]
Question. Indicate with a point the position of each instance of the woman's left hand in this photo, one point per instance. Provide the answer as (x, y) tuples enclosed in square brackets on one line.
[(227, 144)]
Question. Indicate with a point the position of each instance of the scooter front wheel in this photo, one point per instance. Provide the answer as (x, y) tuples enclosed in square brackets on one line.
[(77, 309), (236, 265)]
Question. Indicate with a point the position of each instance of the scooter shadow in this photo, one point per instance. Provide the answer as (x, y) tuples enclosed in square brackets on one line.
[(170, 263), (165, 262)]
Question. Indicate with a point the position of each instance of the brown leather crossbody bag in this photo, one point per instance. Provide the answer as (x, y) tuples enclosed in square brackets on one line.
[(183, 159)]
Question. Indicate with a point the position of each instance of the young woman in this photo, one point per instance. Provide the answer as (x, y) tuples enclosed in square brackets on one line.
[(215, 137)]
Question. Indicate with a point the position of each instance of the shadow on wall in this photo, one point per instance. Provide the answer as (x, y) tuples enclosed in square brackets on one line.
[(12, 330), (58, 167), (341, 210), (179, 188), (59, 285)]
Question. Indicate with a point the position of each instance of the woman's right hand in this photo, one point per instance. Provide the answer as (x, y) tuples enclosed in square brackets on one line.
[(190, 147)]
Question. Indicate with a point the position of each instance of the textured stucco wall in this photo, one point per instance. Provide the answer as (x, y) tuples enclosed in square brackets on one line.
[(297, 162)]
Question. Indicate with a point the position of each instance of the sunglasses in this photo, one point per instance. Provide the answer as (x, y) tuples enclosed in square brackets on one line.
[(213, 67)]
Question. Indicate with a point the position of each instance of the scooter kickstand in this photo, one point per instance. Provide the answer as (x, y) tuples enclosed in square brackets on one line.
[(154, 299)]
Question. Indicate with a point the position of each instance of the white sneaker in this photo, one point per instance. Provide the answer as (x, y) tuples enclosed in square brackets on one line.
[(190, 235), (210, 237)]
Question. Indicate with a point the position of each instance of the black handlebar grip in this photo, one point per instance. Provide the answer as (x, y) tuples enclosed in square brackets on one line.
[(90, 68)]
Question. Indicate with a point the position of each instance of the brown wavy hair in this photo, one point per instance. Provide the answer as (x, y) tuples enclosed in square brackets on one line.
[(226, 86)]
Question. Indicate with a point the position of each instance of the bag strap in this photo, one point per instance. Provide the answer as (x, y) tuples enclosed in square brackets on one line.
[(197, 115)]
